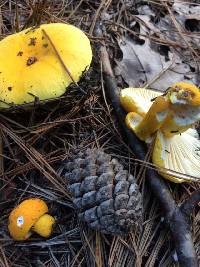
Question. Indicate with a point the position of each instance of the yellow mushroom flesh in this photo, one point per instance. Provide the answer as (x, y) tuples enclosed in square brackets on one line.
[(153, 119), (180, 119), (138, 102)]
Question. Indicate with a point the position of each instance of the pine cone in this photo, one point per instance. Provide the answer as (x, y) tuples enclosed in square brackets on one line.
[(106, 196)]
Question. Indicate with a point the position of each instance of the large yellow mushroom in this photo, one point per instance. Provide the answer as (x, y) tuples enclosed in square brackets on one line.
[(28, 217), (41, 62), (170, 118)]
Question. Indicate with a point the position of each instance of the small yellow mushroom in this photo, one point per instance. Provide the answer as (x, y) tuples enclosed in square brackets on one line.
[(30, 216), (170, 118)]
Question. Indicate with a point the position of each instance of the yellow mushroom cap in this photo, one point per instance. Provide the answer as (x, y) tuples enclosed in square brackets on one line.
[(24, 216), (29, 65), (44, 225), (181, 154), (137, 99)]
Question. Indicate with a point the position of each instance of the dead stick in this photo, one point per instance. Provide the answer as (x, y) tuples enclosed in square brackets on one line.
[(190, 203), (59, 57), (1, 153), (61, 60)]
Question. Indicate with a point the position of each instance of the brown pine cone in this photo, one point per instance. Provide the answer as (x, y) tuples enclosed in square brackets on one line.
[(106, 196)]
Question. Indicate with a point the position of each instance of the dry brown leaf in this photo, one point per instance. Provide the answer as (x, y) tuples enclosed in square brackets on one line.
[(141, 65)]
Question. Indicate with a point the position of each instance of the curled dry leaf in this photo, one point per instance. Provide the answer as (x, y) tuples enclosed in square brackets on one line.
[(142, 65)]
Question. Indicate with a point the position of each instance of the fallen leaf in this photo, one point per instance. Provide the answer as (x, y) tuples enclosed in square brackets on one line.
[(142, 65)]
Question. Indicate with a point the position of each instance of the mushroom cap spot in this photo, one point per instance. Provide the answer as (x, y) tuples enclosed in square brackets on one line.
[(47, 74), (24, 216), (181, 153), (44, 225), (137, 99)]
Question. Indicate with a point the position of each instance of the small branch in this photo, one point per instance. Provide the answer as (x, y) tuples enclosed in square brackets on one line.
[(61, 61), (175, 218), (59, 56), (189, 204), (1, 153), (102, 3)]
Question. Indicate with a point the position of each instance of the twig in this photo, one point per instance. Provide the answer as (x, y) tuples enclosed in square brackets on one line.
[(175, 218), (61, 60), (58, 55), (96, 16), (190, 203), (98, 250), (4, 259), (74, 10), (1, 153)]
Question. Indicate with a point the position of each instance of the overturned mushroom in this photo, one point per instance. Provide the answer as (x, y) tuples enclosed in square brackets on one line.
[(170, 118), (33, 62), (30, 216)]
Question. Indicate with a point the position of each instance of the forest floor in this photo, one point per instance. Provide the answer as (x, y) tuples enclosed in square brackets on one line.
[(154, 43)]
